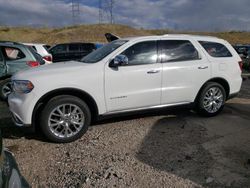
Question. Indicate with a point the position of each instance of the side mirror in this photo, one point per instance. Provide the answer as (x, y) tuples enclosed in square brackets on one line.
[(119, 60)]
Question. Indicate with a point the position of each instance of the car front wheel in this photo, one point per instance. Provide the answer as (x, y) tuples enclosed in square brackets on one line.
[(211, 99), (65, 119)]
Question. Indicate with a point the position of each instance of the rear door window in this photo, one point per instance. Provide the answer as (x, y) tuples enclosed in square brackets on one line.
[(62, 48), (74, 48), (215, 49), (178, 50), (87, 47), (12, 53)]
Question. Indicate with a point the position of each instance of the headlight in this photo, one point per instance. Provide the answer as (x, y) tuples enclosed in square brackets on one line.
[(22, 86)]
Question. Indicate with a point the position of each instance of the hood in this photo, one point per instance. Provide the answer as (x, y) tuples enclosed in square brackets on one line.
[(54, 69)]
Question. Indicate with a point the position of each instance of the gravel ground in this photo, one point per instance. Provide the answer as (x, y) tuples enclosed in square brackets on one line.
[(171, 148)]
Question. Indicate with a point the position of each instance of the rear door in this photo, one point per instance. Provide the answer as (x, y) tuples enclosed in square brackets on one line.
[(74, 52), (2, 65), (185, 70)]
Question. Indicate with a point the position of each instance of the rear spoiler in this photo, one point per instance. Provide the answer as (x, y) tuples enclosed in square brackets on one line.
[(111, 37)]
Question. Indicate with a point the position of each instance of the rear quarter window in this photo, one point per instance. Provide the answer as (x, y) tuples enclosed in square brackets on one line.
[(12, 53), (215, 49)]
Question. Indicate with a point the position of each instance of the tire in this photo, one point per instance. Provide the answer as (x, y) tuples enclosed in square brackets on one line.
[(209, 104), (63, 114), (5, 88)]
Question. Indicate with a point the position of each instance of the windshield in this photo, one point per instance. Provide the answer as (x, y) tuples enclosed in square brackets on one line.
[(102, 52)]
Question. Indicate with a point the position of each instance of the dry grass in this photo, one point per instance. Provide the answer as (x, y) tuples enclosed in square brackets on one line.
[(95, 33)]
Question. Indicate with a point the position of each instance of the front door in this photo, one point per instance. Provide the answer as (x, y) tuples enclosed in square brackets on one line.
[(138, 84)]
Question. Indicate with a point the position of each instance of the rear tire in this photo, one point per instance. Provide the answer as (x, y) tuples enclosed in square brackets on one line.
[(211, 99), (65, 119), (5, 88)]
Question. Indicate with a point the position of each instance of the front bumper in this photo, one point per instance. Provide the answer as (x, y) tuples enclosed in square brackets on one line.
[(21, 108)]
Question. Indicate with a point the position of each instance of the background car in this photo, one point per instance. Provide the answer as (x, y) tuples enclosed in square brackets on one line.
[(42, 49), (10, 176), (71, 51), (14, 57), (244, 52)]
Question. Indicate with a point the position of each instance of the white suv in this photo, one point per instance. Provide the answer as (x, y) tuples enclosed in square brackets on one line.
[(126, 75)]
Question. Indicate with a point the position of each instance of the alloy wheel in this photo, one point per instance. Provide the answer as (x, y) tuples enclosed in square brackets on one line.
[(66, 120), (213, 100)]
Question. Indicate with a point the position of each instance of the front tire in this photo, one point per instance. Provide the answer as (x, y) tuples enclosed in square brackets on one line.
[(211, 100), (65, 119)]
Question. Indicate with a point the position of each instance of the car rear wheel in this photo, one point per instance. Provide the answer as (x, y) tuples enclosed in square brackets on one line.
[(211, 99), (65, 119), (5, 88)]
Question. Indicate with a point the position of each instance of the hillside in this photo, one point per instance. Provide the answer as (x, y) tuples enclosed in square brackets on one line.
[(95, 33)]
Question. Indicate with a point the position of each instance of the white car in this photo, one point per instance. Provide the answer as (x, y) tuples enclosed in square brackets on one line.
[(42, 50), (126, 75)]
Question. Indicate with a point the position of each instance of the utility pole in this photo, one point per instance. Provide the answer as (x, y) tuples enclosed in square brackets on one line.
[(106, 11), (75, 12), (111, 11), (100, 12)]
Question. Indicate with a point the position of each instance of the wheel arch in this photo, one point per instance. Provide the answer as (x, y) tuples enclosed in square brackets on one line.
[(218, 80), (5, 77), (87, 98)]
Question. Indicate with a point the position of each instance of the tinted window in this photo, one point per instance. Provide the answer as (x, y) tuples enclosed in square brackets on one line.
[(34, 48), (59, 49), (142, 53), (12, 53), (74, 47), (215, 49), (87, 47), (178, 50), (100, 53)]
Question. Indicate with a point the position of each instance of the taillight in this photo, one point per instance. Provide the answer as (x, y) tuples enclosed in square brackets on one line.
[(241, 65), (33, 63), (47, 58)]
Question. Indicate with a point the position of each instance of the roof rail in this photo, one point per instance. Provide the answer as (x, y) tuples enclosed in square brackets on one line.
[(189, 35), (10, 42)]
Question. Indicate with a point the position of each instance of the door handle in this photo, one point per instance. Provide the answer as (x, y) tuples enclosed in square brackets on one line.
[(153, 71), (203, 67)]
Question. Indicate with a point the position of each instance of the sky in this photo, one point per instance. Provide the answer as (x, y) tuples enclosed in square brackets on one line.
[(186, 15)]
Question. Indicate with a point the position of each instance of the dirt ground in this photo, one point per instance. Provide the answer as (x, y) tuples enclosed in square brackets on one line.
[(169, 148)]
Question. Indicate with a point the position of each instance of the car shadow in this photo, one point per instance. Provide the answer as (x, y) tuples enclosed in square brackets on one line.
[(177, 144), (10, 131)]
